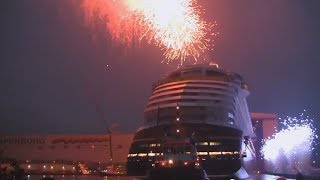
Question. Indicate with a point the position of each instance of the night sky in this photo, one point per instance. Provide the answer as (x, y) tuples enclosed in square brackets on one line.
[(54, 77)]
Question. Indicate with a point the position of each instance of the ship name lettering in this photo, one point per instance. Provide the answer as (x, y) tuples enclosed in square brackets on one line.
[(22, 140)]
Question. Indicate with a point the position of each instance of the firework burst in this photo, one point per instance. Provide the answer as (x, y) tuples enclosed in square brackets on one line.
[(176, 26), (173, 25), (115, 17), (289, 150)]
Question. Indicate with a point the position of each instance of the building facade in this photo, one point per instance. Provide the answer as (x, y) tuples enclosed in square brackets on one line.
[(66, 153)]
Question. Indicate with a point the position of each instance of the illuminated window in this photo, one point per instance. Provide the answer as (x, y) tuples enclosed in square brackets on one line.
[(142, 154), (202, 153), (132, 155), (202, 143), (214, 143), (214, 153), (230, 120), (231, 115), (226, 152)]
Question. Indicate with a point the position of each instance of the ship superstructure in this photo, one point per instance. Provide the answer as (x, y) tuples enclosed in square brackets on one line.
[(203, 101)]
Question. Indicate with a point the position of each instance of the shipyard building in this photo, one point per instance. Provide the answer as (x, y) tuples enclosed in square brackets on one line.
[(89, 153)]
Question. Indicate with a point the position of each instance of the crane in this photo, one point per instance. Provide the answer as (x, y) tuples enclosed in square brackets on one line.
[(102, 118)]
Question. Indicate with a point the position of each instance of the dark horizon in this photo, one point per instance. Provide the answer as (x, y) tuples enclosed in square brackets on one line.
[(54, 77)]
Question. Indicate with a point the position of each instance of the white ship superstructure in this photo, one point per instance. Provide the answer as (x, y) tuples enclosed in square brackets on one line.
[(207, 94), (201, 100)]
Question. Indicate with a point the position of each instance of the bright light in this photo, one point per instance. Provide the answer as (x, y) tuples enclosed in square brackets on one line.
[(214, 64), (170, 161), (132, 155), (178, 119), (173, 25), (185, 163), (29, 166), (178, 130), (44, 167), (142, 154), (202, 153), (289, 150), (214, 153), (288, 141)]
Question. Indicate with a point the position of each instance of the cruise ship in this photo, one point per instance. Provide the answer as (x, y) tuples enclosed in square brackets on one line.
[(203, 101)]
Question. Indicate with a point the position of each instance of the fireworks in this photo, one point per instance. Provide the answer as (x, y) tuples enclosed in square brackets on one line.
[(115, 17), (289, 150), (173, 25)]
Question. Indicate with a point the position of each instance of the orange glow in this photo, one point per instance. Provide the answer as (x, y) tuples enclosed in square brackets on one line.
[(173, 25)]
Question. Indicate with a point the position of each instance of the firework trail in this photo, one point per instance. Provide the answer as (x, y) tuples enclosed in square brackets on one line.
[(289, 150), (116, 17), (173, 25)]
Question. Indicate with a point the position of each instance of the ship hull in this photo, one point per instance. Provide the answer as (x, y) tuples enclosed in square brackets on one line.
[(219, 147)]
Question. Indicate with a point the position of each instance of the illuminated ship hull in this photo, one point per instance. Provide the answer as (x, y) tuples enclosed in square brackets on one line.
[(202, 100)]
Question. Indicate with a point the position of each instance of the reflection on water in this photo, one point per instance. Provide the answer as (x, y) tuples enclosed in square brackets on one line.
[(92, 177), (81, 177)]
